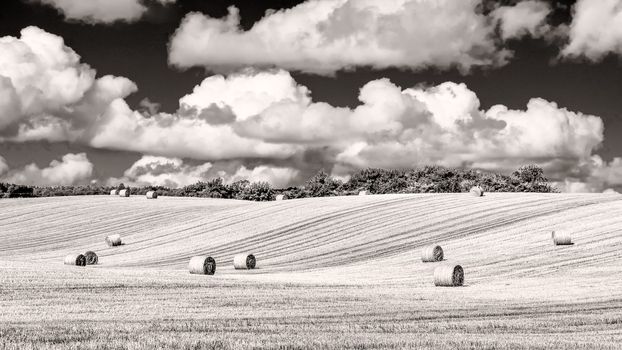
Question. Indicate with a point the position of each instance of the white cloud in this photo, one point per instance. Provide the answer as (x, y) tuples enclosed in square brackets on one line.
[(573, 186), (595, 30), (100, 11), (526, 17), (149, 107), (278, 177), (437, 125), (247, 94), (162, 171), (44, 72), (72, 169), (610, 173), (174, 173), (46, 93), (326, 36), (178, 136), (270, 121), (4, 167), (9, 103), (593, 175)]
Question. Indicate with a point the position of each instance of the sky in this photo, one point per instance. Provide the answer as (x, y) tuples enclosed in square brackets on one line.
[(169, 92)]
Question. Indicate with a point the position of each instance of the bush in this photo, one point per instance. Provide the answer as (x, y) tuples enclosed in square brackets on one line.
[(428, 179), (256, 191), (322, 185), (293, 192), (18, 191), (529, 174)]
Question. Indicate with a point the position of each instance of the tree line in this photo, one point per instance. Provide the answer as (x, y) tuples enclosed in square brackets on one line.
[(427, 179)]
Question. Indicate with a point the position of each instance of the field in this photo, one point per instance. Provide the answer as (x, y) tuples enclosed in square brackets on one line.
[(333, 273)]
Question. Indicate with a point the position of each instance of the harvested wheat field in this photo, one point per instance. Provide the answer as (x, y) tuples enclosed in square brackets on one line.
[(332, 273)]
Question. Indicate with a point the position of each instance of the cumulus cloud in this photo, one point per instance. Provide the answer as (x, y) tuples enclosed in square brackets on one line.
[(46, 93), (595, 30), (261, 121), (100, 11), (70, 170), (435, 125), (526, 17), (609, 172), (247, 93), (278, 177), (174, 173), (162, 171), (149, 107), (173, 135), (4, 167), (9, 103), (329, 35), (593, 175)]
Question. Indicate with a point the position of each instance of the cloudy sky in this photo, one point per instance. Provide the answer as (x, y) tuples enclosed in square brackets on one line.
[(168, 92)]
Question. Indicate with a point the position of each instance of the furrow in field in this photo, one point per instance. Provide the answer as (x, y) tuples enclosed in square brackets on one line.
[(497, 235)]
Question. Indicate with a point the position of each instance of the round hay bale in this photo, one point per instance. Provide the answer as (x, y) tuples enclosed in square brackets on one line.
[(476, 191), (152, 195), (91, 258), (75, 259), (432, 253), (124, 192), (561, 238), (114, 192), (363, 193), (113, 240), (202, 265), (244, 261), (449, 276), (281, 197)]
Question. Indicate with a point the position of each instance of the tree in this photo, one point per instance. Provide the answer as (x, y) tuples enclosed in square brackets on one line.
[(257, 191), (236, 188), (322, 185), (530, 174), (14, 191)]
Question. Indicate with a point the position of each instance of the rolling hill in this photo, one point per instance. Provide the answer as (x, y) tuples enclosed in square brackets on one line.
[(340, 272)]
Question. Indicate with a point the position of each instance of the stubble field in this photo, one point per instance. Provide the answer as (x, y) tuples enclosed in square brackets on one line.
[(332, 273)]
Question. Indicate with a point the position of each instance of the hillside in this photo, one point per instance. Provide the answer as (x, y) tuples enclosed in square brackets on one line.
[(334, 272)]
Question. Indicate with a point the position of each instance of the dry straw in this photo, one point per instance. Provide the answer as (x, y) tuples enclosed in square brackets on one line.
[(449, 276), (477, 191), (202, 265), (152, 195), (124, 192), (432, 253), (113, 240), (91, 257), (244, 261), (562, 238), (363, 193), (281, 197), (75, 259), (114, 192)]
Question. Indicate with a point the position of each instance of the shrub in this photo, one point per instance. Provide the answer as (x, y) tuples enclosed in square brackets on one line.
[(322, 185), (293, 192), (428, 179), (16, 191), (256, 191), (529, 174)]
